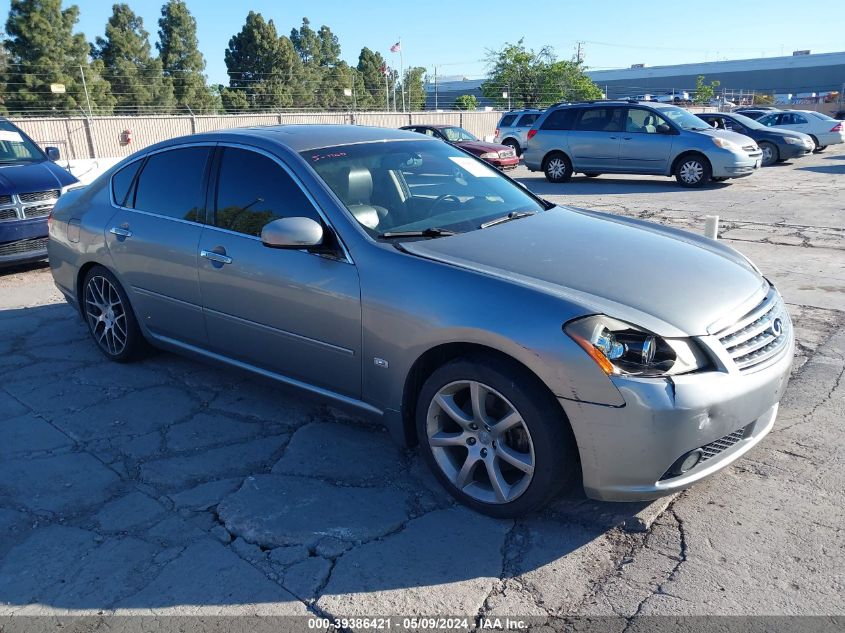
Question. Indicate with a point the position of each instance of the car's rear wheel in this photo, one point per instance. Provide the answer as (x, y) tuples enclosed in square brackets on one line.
[(770, 153), (693, 171), (817, 148), (557, 167), (109, 316), (513, 145), (494, 437)]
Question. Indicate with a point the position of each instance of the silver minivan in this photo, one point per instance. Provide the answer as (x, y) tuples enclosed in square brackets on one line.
[(632, 137)]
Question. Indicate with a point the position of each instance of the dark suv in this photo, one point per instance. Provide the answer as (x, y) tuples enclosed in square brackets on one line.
[(30, 184)]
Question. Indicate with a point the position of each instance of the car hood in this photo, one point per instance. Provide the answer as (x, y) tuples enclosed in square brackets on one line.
[(669, 281), (733, 137), (31, 177), (479, 147)]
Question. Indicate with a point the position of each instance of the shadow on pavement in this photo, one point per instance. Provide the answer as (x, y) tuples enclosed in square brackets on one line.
[(601, 186), (175, 486), (825, 169)]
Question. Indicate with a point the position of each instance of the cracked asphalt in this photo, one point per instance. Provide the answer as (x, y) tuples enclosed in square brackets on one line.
[(175, 487)]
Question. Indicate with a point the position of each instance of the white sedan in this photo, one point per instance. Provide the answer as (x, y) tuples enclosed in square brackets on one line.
[(823, 129)]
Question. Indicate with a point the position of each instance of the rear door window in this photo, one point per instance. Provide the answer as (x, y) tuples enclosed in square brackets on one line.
[(559, 120), (171, 184), (605, 119), (527, 120), (507, 120)]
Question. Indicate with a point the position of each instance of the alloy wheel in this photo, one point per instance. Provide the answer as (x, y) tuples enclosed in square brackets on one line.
[(692, 171), (480, 442), (556, 168), (768, 154), (106, 315)]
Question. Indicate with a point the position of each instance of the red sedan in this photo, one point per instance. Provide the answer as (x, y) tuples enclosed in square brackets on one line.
[(500, 156)]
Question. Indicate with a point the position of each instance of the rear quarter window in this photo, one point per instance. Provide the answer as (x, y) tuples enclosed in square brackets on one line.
[(527, 119), (121, 183), (507, 120), (559, 120)]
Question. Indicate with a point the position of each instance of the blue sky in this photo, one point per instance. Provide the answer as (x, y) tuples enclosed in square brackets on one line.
[(455, 35)]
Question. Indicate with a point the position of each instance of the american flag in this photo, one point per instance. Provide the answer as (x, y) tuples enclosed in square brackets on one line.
[(396, 47)]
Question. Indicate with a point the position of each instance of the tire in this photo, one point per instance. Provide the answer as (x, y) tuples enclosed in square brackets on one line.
[(817, 149), (693, 171), (592, 175), (463, 448), (110, 318), (514, 145), (771, 155), (557, 167)]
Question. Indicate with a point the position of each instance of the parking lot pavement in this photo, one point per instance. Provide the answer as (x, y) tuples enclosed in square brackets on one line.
[(174, 487)]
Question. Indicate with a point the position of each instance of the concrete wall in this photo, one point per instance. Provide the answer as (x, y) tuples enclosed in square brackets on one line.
[(96, 137)]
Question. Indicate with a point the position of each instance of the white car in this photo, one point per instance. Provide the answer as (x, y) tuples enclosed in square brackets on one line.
[(823, 129), (673, 97)]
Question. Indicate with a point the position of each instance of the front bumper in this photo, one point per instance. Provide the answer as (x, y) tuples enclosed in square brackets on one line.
[(728, 164), (626, 452), (503, 163), (23, 241), (788, 151)]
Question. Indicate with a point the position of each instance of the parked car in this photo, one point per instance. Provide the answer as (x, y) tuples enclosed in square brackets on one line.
[(30, 184), (756, 112), (776, 145), (516, 341), (500, 156), (840, 116), (824, 130), (513, 127), (673, 97), (626, 137)]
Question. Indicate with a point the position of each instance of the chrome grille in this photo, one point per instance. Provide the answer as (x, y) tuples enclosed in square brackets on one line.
[(23, 246), (38, 211), (39, 196), (8, 214), (5, 200), (760, 335)]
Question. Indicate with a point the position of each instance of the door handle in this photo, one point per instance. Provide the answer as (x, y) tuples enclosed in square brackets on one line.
[(613, 138), (120, 231), (216, 257), (627, 138)]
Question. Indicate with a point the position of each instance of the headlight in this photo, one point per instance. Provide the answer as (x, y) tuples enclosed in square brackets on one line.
[(793, 140), (489, 155), (725, 144), (620, 348)]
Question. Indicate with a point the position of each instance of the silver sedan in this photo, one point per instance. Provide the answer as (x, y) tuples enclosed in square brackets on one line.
[(527, 347)]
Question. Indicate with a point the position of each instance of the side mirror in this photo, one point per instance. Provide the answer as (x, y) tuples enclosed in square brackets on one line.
[(664, 128), (53, 153), (292, 233)]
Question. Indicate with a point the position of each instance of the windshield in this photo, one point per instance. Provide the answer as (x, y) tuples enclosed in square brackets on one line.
[(684, 119), (417, 185), (455, 134), (747, 122), (15, 148)]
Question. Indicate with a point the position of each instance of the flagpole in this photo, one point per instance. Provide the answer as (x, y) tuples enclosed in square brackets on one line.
[(402, 75)]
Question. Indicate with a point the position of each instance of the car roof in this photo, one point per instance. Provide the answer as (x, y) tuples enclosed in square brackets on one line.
[(299, 138)]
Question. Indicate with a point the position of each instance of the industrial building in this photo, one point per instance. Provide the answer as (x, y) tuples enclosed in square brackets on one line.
[(793, 78)]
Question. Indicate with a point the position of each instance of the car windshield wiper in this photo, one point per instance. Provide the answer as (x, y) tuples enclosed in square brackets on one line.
[(513, 215), (429, 232)]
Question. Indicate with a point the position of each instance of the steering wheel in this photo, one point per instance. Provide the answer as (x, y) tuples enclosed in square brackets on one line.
[(443, 198)]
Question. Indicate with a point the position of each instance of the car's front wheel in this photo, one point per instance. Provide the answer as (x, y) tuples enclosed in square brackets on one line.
[(494, 437), (557, 167), (770, 153), (514, 146), (693, 171), (109, 316)]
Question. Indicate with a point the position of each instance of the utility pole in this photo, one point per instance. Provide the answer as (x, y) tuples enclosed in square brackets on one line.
[(579, 52), (85, 88), (435, 89)]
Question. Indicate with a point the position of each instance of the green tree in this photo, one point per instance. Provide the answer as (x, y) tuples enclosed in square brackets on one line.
[(704, 93), (262, 66), (534, 79), (329, 47), (306, 42), (466, 102), (136, 78), (181, 58), (43, 50), (414, 86), (371, 67)]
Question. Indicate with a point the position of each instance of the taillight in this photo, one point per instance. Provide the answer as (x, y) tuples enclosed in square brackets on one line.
[(837, 128), (531, 133), (497, 131)]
